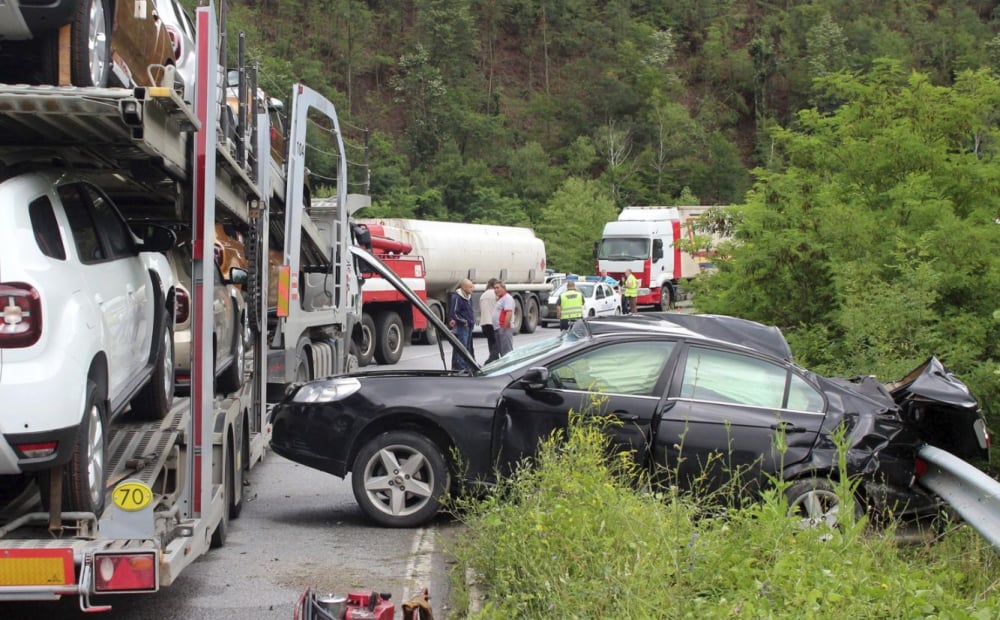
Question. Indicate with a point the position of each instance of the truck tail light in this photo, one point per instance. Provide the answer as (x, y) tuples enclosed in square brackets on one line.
[(920, 467), (20, 315), (182, 306), (125, 572)]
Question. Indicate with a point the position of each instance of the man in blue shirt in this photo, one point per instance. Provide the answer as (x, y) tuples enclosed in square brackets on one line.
[(461, 319)]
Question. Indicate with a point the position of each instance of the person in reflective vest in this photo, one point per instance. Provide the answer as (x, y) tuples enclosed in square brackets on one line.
[(631, 291), (570, 305)]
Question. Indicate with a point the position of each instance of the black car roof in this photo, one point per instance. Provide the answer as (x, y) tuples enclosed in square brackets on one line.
[(730, 329)]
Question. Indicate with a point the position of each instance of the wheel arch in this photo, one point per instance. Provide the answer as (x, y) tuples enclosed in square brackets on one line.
[(404, 421)]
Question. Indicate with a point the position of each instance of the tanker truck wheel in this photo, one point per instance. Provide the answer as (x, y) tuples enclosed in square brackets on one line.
[(389, 334), (515, 325), (530, 320)]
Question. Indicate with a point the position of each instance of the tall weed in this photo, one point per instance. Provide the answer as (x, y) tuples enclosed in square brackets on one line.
[(568, 535)]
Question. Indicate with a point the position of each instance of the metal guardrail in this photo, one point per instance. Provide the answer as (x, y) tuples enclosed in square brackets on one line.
[(973, 494)]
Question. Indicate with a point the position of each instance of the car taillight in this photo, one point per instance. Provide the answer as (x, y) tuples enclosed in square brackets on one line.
[(175, 42), (125, 572), (182, 306), (36, 450), (20, 315)]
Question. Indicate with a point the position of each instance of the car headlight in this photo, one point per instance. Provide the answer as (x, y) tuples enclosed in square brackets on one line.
[(327, 391)]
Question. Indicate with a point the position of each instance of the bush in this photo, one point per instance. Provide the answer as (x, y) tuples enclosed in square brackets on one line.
[(570, 535)]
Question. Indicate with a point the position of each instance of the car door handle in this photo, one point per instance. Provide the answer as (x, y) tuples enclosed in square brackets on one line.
[(625, 416), (787, 428)]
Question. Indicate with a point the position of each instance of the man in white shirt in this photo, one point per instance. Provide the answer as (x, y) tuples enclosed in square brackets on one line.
[(503, 319), (488, 301)]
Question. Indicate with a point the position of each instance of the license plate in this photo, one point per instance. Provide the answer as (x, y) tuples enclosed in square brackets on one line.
[(36, 567)]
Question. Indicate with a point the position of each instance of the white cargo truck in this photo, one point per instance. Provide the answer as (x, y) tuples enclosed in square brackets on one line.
[(453, 251), (644, 239)]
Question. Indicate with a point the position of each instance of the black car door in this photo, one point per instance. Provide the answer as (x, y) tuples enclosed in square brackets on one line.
[(730, 413), (623, 379)]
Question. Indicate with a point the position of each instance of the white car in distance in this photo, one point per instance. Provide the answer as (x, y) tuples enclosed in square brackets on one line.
[(599, 299)]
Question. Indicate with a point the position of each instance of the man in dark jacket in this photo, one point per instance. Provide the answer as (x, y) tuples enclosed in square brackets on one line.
[(461, 319)]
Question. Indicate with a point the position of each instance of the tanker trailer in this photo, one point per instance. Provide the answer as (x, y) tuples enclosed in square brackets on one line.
[(453, 251)]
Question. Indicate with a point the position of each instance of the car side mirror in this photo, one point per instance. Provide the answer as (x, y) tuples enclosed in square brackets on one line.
[(238, 276), (657, 249), (536, 378), (156, 238)]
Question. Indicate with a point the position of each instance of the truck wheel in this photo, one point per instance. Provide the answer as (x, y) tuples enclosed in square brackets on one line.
[(366, 341), (155, 398), (399, 478), (430, 335), (531, 313), (221, 532), (85, 474), (389, 338), (90, 44), (231, 378), (518, 315), (666, 297), (236, 501)]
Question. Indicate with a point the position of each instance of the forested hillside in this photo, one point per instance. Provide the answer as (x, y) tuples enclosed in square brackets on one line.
[(856, 141), (481, 109)]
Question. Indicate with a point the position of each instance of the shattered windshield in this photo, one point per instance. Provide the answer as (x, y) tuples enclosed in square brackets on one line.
[(526, 356)]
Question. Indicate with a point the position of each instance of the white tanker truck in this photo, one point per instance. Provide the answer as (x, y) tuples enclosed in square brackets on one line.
[(454, 251)]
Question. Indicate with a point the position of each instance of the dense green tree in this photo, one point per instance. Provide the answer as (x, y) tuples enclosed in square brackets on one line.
[(572, 221), (874, 241)]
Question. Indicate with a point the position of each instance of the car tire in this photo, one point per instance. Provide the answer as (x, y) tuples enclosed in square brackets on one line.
[(399, 479), (530, 321), (90, 43), (154, 400), (231, 379), (366, 341), (389, 335), (591, 313), (85, 475), (814, 501)]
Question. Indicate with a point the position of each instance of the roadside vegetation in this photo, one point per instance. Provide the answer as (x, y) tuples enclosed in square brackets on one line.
[(574, 536)]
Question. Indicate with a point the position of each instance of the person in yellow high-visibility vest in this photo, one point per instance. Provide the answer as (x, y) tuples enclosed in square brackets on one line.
[(631, 291), (570, 306)]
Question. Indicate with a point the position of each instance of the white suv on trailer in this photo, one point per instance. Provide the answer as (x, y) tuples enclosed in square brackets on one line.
[(86, 313)]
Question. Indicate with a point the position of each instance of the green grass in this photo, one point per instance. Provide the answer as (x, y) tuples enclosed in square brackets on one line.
[(570, 536)]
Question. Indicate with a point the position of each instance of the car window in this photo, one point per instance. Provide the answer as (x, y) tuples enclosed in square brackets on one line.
[(46, 229), (729, 377), (112, 227), (804, 397), (81, 225), (622, 368)]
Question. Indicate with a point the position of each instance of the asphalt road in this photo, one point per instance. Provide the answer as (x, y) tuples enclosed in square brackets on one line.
[(299, 529)]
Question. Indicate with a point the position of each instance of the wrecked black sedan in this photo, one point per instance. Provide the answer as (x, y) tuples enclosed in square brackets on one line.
[(704, 398)]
